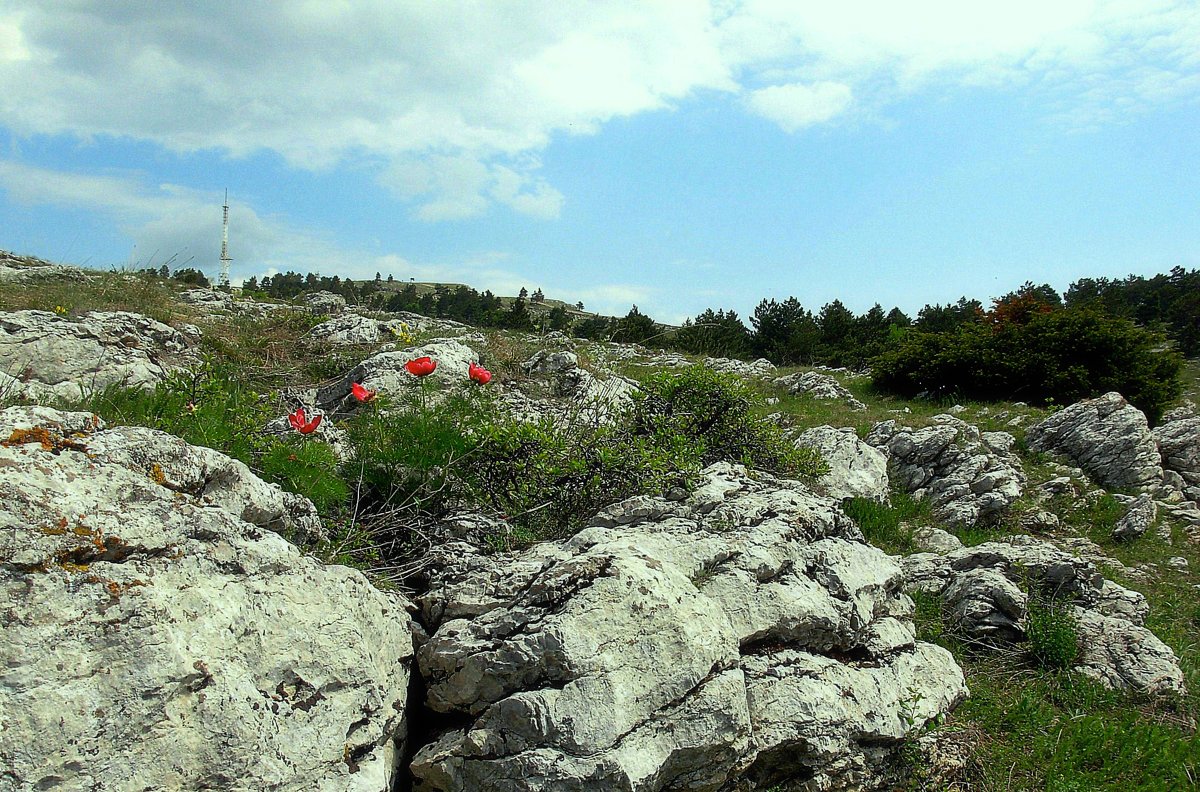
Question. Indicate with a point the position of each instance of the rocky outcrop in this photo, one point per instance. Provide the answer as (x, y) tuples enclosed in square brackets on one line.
[(819, 386), (1179, 443), (968, 476), (1107, 437), (386, 374), (987, 588), (154, 639), (44, 356), (755, 368), (856, 469), (353, 328), (1138, 519), (568, 392), (324, 302), (28, 269), (678, 645)]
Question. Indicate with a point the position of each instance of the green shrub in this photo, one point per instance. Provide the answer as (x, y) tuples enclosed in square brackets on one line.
[(714, 412), (1060, 356), (310, 468), (412, 458), (206, 405), (1052, 634), (546, 479)]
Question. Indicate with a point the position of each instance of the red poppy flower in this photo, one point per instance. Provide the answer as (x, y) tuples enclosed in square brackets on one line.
[(300, 422), (479, 374), (421, 367), (361, 393)]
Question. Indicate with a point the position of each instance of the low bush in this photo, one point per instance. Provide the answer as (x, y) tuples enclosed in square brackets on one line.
[(715, 413), (1058, 356), (1053, 637)]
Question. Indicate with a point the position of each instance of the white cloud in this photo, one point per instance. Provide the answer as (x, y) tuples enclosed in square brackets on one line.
[(795, 106), (448, 100)]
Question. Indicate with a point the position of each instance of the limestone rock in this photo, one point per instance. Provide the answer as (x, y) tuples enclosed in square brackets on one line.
[(29, 269), (153, 641), (969, 477), (935, 540), (757, 368), (819, 386), (1107, 437), (987, 587), (324, 302), (1179, 443), (856, 469), (353, 328), (53, 357), (660, 649), (385, 373), (1137, 519), (567, 392)]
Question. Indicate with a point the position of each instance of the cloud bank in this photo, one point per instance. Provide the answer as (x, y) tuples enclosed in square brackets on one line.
[(450, 103)]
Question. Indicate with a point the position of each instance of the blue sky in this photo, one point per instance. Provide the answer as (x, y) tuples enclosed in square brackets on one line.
[(677, 155)]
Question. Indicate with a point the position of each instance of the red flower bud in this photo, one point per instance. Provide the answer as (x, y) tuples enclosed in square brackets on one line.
[(421, 367), (479, 374), (361, 393)]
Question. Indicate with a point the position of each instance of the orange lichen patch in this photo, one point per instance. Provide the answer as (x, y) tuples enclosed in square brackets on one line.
[(157, 475), (58, 529), (49, 441)]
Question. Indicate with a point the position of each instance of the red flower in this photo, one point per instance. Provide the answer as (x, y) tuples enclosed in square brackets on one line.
[(421, 367), (300, 422), (479, 374), (361, 393)]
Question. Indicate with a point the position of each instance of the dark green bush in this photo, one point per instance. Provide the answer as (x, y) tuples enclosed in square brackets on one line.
[(715, 413), (1059, 356), (1053, 638)]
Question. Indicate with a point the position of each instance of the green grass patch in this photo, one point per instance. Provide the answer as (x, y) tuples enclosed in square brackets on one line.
[(889, 526)]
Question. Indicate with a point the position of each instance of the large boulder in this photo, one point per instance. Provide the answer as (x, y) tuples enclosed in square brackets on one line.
[(386, 373), (987, 590), (756, 368), (1107, 437), (819, 386), (353, 328), (856, 469), (46, 357), (156, 639), (324, 302), (678, 644), (1179, 443), (968, 476)]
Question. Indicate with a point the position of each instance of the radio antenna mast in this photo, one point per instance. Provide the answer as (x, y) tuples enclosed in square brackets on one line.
[(224, 280)]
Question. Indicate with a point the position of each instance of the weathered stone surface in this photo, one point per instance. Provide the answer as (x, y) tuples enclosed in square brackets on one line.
[(856, 469), (987, 588), (55, 357), (208, 476), (1179, 443), (641, 653), (1107, 437), (386, 374), (985, 605), (353, 328), (969, 477), (935, 540), (561, 392), (324, 302), (156, 641), (819, 386), (1137, 519), (755, 368), (29, 269)]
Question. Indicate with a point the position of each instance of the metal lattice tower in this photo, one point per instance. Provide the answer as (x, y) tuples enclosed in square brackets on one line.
[(224, 280)]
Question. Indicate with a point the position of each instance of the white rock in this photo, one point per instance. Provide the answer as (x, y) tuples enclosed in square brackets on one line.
[(856, 469)]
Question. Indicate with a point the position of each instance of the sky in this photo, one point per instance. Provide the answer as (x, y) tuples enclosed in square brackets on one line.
[(677, 155)]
